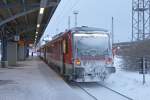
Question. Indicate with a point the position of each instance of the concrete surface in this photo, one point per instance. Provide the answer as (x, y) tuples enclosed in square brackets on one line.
[(33, 80)]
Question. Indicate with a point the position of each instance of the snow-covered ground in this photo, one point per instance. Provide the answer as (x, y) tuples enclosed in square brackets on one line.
[(127, 83), (99, 92)]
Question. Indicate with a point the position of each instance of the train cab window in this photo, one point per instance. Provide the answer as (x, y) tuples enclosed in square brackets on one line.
[(65, 46)]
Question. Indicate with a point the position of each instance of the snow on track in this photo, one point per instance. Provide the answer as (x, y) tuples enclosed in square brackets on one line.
[(125, 82), (99, 92), (129, 83)]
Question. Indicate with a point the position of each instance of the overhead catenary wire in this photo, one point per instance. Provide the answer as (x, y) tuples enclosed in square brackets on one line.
[(61, 11), (66, 9), (61, 8), (68, 12)]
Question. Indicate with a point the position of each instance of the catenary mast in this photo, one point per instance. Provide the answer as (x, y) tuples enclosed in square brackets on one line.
[(140, 20)]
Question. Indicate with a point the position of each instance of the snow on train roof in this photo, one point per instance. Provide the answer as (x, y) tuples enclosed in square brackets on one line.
[(85, 28)]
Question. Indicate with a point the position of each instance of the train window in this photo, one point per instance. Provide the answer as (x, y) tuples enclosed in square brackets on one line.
[(50, 49), (65, 46)]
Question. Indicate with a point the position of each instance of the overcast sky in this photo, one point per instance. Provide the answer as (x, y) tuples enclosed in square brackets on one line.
[(94, 13)]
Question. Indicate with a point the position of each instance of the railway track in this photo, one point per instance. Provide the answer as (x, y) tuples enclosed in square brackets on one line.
[(115, 91), (88, 93), (94, 97)]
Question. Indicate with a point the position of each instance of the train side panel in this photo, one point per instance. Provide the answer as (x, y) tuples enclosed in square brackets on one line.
[(59, 54), (53, 55), (67, 54)]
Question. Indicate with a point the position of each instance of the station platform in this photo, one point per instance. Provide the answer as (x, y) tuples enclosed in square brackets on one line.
[(33, 80)]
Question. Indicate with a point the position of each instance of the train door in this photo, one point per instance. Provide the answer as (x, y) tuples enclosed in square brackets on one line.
[(63, 55), (45, 53)]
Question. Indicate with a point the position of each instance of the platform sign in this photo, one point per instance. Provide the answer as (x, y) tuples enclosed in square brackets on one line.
[(16, 38), (29, 42), (21, 42)]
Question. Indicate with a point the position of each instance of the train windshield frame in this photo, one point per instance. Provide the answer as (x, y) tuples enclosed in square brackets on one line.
[(91, 44)]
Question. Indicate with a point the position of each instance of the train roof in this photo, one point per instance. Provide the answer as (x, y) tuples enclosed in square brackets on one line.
[(86, 28), (82, 29)]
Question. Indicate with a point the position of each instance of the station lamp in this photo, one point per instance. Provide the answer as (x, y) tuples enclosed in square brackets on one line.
[(38, 25), (41, 10)]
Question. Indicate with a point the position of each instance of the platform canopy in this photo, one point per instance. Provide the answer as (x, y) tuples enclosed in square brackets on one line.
[(25, 18)]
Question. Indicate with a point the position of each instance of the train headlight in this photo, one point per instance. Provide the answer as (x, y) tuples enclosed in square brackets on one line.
[(77, 62), (109, 61)]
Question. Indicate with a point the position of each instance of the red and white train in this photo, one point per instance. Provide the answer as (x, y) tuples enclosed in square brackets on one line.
[(81, 54)]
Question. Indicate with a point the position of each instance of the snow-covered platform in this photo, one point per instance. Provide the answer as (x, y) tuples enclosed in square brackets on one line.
[(33, 80)]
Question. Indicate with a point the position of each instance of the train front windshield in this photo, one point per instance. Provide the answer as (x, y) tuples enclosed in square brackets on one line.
[(91, 46)]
